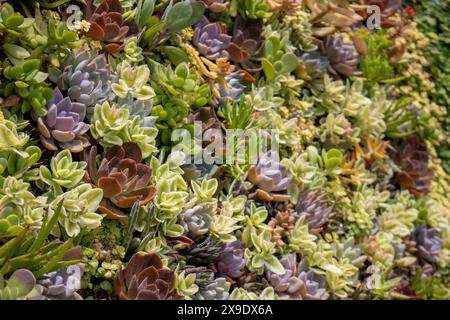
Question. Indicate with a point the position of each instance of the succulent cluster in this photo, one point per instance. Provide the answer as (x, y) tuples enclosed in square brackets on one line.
[(227, 150)]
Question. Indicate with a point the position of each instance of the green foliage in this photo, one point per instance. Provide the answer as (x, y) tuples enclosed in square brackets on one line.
[(112, 125), (78, 210), (253, 9), (63, 172), (133, 81), (183, 14), (279, 60), (374, 64), (30, 249), (237, 115), (260, 254)]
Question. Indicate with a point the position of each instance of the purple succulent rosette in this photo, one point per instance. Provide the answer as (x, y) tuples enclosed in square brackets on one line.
[(343, 57), (297, 282), (210, 40), (63, 125), (85, 77), (428, 243), (231, 261)]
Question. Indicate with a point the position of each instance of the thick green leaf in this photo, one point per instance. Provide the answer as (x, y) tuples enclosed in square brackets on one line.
[(145, 12)]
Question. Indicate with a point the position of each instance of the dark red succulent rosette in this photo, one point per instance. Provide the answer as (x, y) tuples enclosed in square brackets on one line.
[(123, 179), (107, 24)]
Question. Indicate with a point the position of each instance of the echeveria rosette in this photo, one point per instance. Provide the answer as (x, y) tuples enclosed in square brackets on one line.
[(247, 44), (342, 56), (112, 126), (79, 206), (414, 173), (145, 278), (231, 260), (297, 283), (63, 126), (270, 178), (21, 285), (63, 284), (315, 207), (85, 77), (197, 220), (63, 172), (11, 140), (210, 39), (19, 208), (260, 255), (123, 179), (133, 81), (215, 289), (107, 24), (428, 243)]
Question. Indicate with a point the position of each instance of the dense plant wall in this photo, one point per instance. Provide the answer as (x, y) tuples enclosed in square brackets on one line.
[(228, 150)]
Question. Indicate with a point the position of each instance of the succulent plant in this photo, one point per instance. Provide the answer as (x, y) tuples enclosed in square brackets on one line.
[(63, 284), (270, 178), (186, 285), (197, 220), (216, 289), (113, 126), (312, 67), (19, 208), (30, 249), (297, 282), (428, 243), (284, 6), (203, 253), (21, 285), (253, 9), (133, 81), (387, 9), (231, 260), (215, 6), (21, 166), (10, 139), (261, 254), (108, 25), (241, 294), (412, 158), (64, 172), (342, 56), (252, 282), (26, 84), (79, 206), (145, 278), (210, 39), (315, 207), (85, 77), (122, 177), (331, 15), (278, 58), (282, 224), (247, 44)]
